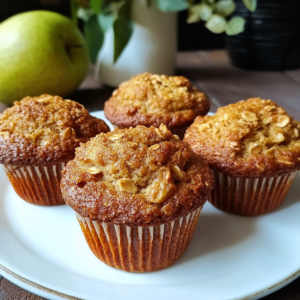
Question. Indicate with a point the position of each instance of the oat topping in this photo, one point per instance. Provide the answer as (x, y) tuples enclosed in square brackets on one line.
[(45, 129), (94, 170), (158, 93), (127, 185), (150, 99), (255, 136), (161, 171)]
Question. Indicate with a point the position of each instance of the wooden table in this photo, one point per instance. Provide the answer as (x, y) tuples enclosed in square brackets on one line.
[(224, 84)]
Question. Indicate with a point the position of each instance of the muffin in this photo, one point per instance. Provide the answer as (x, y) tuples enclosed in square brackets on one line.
[(151, 100), (253, 148), (137, 194), (38, 136)]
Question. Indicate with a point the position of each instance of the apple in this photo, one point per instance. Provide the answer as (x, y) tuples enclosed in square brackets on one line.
[(41, 52)]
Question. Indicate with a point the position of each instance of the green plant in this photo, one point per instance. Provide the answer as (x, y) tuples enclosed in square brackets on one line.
[(215, 14), (100, 15)]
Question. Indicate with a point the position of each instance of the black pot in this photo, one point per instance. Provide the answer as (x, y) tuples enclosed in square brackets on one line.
[(271, 39)]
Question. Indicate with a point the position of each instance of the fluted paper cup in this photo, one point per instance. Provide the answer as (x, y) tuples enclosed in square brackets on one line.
[(37, 184), (250, 196), (139, 248)]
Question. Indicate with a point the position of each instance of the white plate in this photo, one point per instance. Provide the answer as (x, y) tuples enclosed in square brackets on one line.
[(43, 250)]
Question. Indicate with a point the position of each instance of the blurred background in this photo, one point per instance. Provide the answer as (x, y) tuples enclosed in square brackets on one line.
[(190, 36)]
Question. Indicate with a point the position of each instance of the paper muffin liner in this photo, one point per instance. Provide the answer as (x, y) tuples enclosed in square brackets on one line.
[(250, 196), (37, 184), (139, 248)]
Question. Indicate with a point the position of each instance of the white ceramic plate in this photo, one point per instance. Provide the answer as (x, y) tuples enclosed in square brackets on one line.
[(43, 250)]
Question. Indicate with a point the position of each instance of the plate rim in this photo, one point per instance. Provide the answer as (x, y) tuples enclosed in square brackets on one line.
[(43, 291), (35, 288)]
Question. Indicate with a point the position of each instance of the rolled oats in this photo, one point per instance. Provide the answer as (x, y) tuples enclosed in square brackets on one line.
[(127, 185), (269, 151), (267, 120), (270, 107), (255, 148), (116, 136), (132, 144), (94, 170), (233, 144), (278, 138), (249, 116), (160, 133), (203, 126), (283, 121), (261, 166), (163, 128), (4, 134), (67, 133), (177, 173), (264, 132), (155, 147)]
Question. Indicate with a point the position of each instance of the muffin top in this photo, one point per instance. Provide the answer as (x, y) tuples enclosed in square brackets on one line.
[(253, 138), (137, 176), (149, 99), (44, 130)]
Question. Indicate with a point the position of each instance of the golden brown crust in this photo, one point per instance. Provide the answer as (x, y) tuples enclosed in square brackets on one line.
[(151, 100), (138, 176), (44, 130), (253, 138)]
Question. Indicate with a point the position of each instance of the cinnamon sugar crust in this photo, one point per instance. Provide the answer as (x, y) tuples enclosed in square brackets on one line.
[(137, 176), (253, 138), (45, 130), (151, 100)]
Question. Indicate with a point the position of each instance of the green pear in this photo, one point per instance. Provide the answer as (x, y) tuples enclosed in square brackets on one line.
[(40, 52)]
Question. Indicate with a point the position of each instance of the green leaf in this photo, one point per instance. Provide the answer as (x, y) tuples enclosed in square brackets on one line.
[(94, 37), (172, 5), (250, 4), (148, 2), (96, 6), (216, 24), (194, 14), (225, 7), (206, 11), (74, 6), (122, 32), (114, 7), (235, 26), (123, 28), (84, 13)]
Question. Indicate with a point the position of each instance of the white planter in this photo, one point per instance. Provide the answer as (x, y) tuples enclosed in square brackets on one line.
[(152, 47)]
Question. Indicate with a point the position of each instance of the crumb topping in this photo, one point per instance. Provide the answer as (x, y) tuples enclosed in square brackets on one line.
[(255, 137), (135, 175), (159, 95), (45, 128)]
